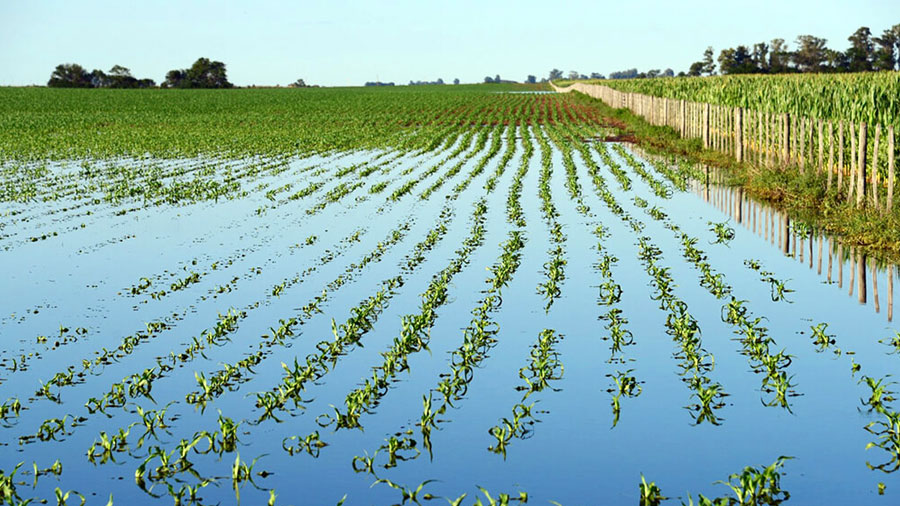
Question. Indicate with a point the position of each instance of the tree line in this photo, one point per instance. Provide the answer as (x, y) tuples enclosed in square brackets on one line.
[(866, 53), (204, 73)]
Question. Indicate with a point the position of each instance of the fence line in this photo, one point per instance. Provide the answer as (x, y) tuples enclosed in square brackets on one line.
[(772, 140)]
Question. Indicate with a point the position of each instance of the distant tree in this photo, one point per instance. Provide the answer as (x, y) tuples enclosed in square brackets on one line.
[(299, 83), (810, 54), (736, 61), (497, 79), (555, 74), (119, 71), (120, 77), (733, 60), (682, 74), (488, 79), (886, 54), (705, 66), (420, 83), (204, 73), (624, 74), (597, 75), (175, 79), (530, 79), (835, 61), (100, 80), (759, 57), (573, 75), (653, 73), (668, 73), (709, 66), (696, 69), (456, 81), (69, 75), (861, 51), (779, 56)]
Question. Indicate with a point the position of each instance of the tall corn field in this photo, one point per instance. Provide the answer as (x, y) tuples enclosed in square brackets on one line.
[(873, 97)]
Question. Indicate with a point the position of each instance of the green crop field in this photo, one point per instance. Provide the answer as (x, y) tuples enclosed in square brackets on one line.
[(873, 97), (463, 294)]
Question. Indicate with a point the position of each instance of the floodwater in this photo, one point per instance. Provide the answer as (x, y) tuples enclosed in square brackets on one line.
[(571, 451)]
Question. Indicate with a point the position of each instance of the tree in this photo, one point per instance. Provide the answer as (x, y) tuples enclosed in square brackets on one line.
[(778, 57), (119, 71), (597, 75), (299, 83), (667, 73), (175, 79), (624, 74), (120, 77), (573, 75), (530, 79), (456, 81), (861, 51), (100, 79), (696, 69), (69, 75), (497, 79), (736, 61), (555, 74), (488, 79), (836, 61), (885, 55), (204, 73), (709, 67), (759, 57), (810, 54), (653, 73)]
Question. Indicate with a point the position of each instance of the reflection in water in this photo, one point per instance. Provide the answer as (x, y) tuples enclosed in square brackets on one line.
[(797, 240)]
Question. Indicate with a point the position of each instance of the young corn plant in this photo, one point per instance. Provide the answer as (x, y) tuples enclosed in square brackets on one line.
[(625, 386), (650, 493), (723, 232)]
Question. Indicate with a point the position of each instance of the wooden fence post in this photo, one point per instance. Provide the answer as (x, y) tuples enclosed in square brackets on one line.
[(890, 195), (759, 136), (738, 137), (853, 157), (801, 140), (821, 149), (875, 175), (666, 112), (786, 138), (830, 166), (705, 126), (683, 118), (840, 167), (861, 168)]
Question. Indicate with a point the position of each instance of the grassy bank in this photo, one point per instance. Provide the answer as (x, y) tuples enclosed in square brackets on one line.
[(802, 195)]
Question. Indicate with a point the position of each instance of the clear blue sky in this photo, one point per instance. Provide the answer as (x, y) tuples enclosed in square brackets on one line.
[(343, 42)]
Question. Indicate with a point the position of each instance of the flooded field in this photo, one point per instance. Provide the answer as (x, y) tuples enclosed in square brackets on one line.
[(513, 309)]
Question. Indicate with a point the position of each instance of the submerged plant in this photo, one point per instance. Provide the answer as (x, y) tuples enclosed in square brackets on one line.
[(724, 233)]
